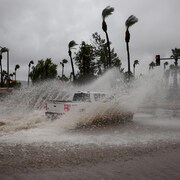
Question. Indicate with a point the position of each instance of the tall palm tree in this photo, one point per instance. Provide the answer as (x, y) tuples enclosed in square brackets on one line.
[(70, 46), (129, 22), (62, 64), (136, 62), (64, 61), (29, 65), (165, 64), (15, 69), (105, 13)]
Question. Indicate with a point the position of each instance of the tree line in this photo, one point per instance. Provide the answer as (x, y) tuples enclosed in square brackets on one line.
[(92, 59)]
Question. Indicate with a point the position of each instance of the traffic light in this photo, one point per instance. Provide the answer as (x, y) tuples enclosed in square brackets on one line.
[(158, 60)]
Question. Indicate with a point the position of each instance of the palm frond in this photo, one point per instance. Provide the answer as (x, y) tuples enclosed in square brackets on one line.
[(131, 20), (72, 44), (107, 11), (17, 67), (175, 53), (136, 62), (4, 49), (64, 61), (31, 62)]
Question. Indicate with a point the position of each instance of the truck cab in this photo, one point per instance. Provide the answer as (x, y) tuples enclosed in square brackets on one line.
[(79, 103)]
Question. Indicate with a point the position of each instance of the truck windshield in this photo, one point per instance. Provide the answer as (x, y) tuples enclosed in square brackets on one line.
[(82, 97)]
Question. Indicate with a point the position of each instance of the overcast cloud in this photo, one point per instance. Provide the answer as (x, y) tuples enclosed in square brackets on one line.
[(40, 29)]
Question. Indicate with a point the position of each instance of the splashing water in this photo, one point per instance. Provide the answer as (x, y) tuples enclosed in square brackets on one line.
[(24, 108)]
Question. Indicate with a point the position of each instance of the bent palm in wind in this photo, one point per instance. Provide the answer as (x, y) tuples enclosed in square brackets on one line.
[(70, 46), (165, 64), (16, 68), (64, 61), (136, 62), (105, 13), (129, 22)]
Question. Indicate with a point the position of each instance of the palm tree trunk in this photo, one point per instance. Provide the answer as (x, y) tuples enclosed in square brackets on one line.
[(28, 75), (109, 50), (62, 70), (74, 78), (128, 56)]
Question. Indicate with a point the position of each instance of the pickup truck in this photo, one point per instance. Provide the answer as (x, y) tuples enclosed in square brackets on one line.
[(79, 103)]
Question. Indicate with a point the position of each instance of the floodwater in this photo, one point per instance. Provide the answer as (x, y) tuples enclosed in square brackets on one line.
[(34, 147), (146, 148)]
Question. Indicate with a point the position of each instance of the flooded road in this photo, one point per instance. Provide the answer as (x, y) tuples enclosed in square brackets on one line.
[(34, 147), (146, 148)]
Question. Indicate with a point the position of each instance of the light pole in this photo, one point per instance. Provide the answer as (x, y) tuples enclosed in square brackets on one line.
[(4, 49)]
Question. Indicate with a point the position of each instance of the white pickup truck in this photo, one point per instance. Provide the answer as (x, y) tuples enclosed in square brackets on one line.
[(79, 102)]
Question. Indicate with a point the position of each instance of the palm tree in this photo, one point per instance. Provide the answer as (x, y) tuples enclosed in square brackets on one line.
[(105, 13), (64, 61), (70, 46), (15, 69), (136, 62), (165, 64), (62, 64), (175, 55), (129, 22), (152, 65), (29, 65)]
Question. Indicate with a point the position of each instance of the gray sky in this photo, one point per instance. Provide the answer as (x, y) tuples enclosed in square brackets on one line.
[(40, 29)]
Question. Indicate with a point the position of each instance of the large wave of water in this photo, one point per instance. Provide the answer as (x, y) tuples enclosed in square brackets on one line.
[(24, 108)]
